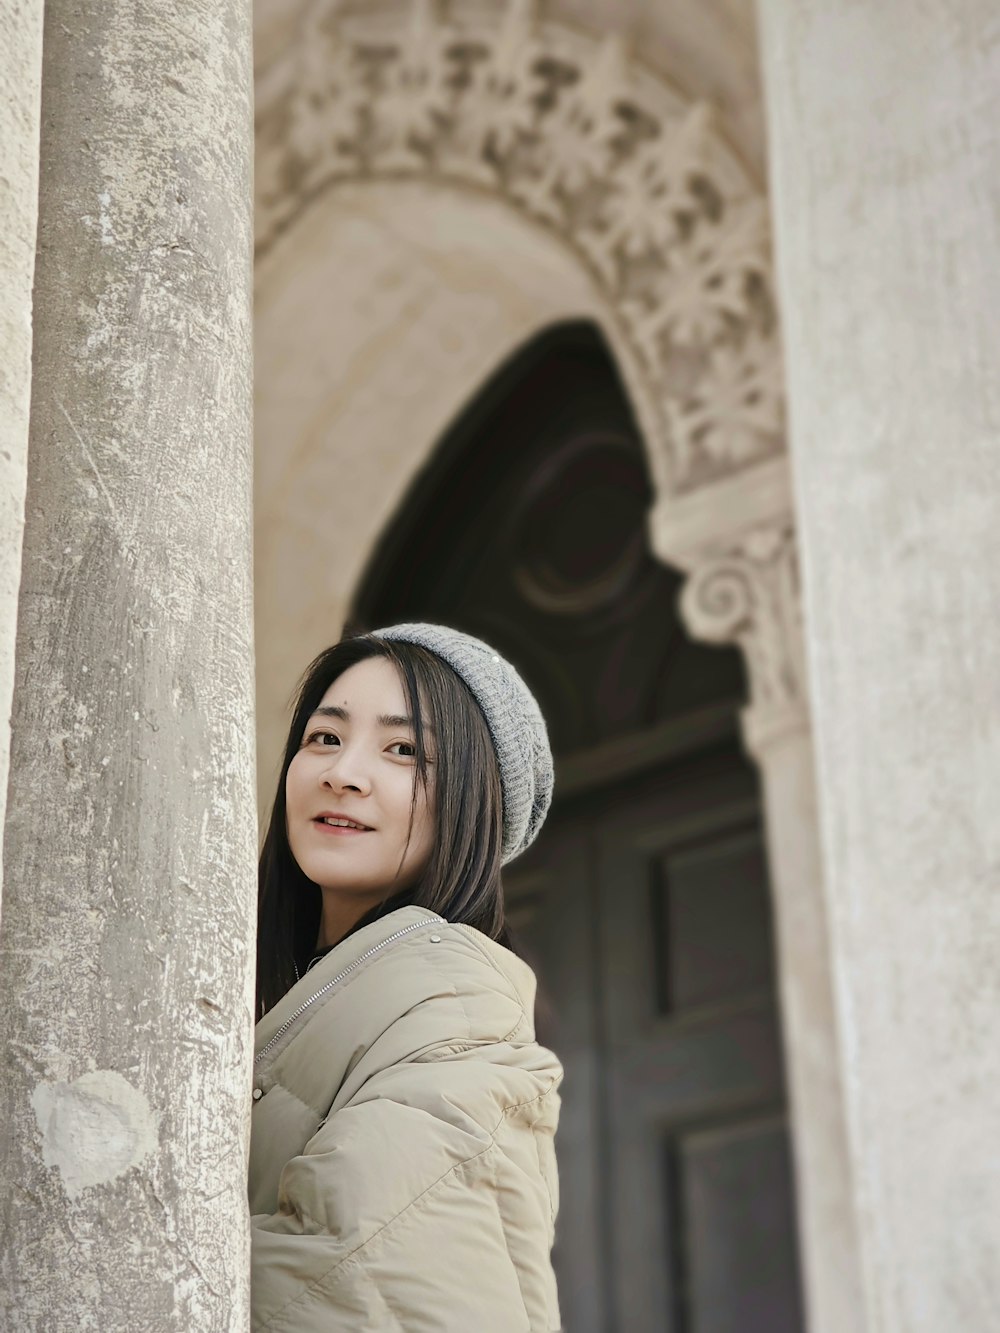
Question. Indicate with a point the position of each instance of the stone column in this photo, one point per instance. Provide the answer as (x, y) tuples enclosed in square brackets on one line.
[(884, 128), (749, 594), (20, 110), (125, 958)]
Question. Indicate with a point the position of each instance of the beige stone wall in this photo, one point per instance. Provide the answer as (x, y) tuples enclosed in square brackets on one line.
[(885, 125), (20, 109)]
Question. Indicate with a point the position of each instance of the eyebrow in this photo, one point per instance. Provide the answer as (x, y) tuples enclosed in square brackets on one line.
[(384, 719)]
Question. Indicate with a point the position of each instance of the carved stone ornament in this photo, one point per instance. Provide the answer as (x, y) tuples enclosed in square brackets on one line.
[(751, 596), (636, 180)]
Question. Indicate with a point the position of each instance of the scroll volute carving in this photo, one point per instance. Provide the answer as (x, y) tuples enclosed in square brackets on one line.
[(750, 594)]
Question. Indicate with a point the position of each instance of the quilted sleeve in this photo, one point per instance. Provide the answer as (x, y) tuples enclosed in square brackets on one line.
[(424, 1202)]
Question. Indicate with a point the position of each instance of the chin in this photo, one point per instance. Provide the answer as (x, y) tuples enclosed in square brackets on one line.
[(341, 880)]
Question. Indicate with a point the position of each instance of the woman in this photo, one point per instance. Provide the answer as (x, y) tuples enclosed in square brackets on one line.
[(402, 1173)]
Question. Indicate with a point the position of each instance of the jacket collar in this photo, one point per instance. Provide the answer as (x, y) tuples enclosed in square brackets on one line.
[(344, 957)]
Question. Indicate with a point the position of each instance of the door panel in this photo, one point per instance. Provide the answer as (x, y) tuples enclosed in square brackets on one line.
[(646, 913), (710, 917), (734, 1193), (698, 1173), (550, 895)]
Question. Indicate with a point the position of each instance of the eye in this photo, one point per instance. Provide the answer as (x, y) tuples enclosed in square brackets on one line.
[(321, 737), (408, 748)]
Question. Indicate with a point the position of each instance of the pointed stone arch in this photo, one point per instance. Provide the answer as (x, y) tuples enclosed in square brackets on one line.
[(635, 180), (627, 199)]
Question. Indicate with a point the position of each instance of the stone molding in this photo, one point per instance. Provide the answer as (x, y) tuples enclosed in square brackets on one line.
[(635, 179), (750, 595)]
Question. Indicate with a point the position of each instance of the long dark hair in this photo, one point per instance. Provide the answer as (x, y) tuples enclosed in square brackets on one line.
[(461, 881)]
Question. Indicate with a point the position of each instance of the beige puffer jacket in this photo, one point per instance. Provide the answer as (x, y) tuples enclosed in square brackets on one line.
[(402, 1171)]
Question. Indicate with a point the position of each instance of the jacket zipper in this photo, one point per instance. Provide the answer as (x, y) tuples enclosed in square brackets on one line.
[(426, 921)]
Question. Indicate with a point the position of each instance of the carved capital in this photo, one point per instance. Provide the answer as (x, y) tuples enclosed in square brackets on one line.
[(634, 178), (750, 595)]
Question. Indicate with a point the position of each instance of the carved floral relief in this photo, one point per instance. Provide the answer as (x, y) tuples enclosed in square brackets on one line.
[(581, 139)]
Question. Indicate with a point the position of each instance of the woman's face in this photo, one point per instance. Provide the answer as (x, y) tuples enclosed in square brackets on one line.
[(356, 761)]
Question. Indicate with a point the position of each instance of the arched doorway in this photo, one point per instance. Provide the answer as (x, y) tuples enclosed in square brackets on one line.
[(645, 904)]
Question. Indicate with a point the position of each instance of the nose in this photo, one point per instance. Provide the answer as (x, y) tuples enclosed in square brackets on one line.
[(347, 771)]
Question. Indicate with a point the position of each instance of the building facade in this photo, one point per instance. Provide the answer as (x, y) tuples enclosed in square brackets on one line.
[(653, 344)]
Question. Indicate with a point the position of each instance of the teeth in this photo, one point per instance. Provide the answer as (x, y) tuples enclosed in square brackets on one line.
[(342, 823)]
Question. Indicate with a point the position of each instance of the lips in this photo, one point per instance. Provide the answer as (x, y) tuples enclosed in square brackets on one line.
[(335, 822)]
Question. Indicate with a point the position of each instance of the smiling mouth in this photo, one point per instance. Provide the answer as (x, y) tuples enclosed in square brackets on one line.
[(342, 825)]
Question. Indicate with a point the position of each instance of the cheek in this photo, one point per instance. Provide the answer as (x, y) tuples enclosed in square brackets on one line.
[(294, 784)]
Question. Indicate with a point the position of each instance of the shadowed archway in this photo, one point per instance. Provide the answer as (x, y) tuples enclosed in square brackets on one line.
[(645, 904)]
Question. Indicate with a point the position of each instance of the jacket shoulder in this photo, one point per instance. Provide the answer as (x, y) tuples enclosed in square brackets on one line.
[(493, 987), (444, 992)]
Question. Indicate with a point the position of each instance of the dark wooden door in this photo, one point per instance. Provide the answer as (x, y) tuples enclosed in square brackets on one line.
[(649, 906), (644, 905)]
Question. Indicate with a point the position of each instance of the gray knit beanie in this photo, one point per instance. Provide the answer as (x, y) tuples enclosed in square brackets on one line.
[(515, 721)]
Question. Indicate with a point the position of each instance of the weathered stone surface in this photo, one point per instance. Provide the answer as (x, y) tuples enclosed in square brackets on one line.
[(750, 594), (885, 148), (20, 111), (125, 963)]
